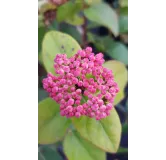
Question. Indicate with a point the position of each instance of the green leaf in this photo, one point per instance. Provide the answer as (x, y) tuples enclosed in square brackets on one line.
[(122, 150), (92, 2), (48, 153), (103, 14), (72, 31), (118, 51), (123, 3), (51, 125), (77, 148), (68, 10), (41, 33), (124, 11), (101, 43), (105, 41), (76, 20), (40, 58), (40, 156), (55, 43), (120, 75), (123, 24), (120, 96), (40, 20), (105, 134), (68, 13), (44, 6), (53, 26), (91, 37), (125, 128)]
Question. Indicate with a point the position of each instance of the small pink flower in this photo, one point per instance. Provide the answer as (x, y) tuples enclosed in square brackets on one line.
[(102, 108), (95, 107), (71, 101), (80, 83), (78, 91), (77, 114), (72, 89), (66, 69), (92, 114), (77, 102), (79, 108)]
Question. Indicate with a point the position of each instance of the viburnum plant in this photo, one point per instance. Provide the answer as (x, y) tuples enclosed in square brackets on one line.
[(83, 90)]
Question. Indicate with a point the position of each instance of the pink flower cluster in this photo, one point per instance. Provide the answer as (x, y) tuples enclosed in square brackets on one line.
[(82, 86)]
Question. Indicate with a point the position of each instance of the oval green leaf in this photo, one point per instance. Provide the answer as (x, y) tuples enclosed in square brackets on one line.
[(120, 96), (103, 14), (68, 10), (118, 51), (76, 20), (77, 148), (120, 75), (123, 24), (51, 126), (105, 134), (55, 43)]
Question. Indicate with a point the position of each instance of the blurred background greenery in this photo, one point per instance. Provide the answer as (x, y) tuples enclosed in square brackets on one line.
[(103, 25)]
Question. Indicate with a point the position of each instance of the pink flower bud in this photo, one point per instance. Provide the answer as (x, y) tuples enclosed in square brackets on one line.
[(95, 107), (103, 108), (92, 114), (88, 49), (77, 102), (80, 83), (79, 108), (66, 69), (77, 114), (78, 91), (62, 113), (69, 108), (71, 101), (100, 102), (109, 106)]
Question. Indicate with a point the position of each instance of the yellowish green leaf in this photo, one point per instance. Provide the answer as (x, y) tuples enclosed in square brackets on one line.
[(105, 134), (51, 125), (77, 148), (120, 75)]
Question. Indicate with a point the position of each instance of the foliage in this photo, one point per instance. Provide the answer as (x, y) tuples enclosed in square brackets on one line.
[(79, 23), (104, 15)]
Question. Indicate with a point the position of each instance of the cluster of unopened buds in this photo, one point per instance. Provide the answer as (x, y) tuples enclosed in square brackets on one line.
[(82, 86)]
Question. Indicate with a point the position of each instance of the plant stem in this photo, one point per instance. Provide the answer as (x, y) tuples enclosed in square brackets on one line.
[(84, 36)]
